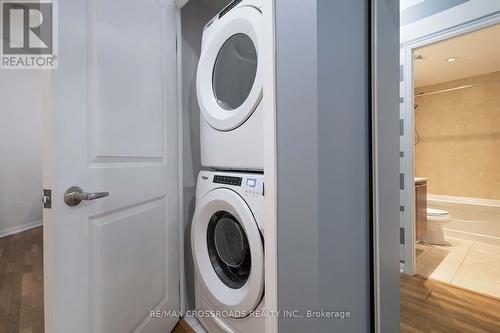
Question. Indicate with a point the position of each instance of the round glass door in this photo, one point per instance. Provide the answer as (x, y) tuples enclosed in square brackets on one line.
[(234, 71), (228, 249)]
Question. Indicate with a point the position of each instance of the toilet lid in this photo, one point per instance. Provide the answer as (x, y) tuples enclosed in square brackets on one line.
[(436, 212)]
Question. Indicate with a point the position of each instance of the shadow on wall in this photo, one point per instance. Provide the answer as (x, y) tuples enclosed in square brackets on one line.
[(190, 191), (194, 17), (189, 197), (35, 213)]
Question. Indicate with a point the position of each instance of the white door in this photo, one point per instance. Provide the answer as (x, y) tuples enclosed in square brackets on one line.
[(111, 125)]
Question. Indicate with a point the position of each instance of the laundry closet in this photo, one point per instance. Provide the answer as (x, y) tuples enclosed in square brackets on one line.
[(223, 158)]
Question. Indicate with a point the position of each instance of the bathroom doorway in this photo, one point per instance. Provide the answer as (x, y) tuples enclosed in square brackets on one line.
[(450, 179), (456, 155)]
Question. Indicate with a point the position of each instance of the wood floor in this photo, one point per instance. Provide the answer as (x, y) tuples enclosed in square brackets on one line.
[(21, 282), (183, 327), (428, 306)]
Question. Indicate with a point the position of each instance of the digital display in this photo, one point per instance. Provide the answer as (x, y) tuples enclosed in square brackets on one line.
[(251, 182)]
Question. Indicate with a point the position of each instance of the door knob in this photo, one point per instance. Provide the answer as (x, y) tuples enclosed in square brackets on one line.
[(74, 195)]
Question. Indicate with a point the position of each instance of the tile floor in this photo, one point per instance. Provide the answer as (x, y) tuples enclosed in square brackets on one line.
[(467, 264)]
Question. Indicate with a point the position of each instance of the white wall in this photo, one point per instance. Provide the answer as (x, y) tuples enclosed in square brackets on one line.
[(439, 15), (20, 150)]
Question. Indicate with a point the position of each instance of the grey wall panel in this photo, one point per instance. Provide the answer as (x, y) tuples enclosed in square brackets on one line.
[(297, 146), (344, 162), (386, 127), (323, 144)]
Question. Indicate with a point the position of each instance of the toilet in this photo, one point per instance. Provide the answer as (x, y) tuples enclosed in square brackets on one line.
[(436, 219)]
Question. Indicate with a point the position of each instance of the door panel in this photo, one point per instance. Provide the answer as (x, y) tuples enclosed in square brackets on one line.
[(111, 124), (127, 249), (127, 67)]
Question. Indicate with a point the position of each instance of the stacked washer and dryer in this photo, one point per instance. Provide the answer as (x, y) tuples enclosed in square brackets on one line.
[(228, 224)]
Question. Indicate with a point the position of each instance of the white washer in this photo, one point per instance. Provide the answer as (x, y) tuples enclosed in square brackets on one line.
[(229, 88), (228, 251)]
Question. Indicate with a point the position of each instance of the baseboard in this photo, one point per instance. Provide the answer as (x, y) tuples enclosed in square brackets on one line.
[(20, 228)]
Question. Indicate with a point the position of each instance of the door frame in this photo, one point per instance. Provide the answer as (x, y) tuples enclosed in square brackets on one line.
[(270, 167), (180, 146), (408, 168)]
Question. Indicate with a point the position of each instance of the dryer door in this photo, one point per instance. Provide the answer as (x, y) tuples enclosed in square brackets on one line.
[(229, 83), (228, 252)]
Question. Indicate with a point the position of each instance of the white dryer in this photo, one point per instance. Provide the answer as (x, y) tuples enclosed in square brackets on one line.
[(229, 88), (228, 251)]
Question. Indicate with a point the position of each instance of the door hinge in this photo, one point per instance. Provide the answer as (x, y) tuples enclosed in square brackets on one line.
[(47, 198)]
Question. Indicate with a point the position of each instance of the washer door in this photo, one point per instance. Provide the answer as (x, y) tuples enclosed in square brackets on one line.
[(228, 251), (229, 80)]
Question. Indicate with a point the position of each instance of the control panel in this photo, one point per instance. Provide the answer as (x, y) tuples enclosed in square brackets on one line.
[(248, 185), (228, 180), (254, 187)]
